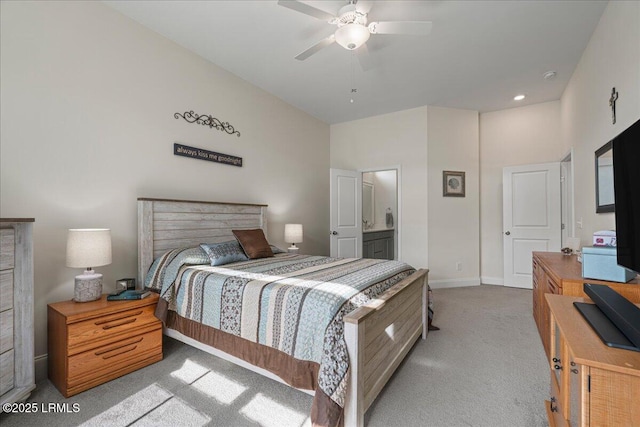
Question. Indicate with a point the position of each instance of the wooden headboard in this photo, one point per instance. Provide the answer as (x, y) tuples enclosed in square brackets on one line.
[(165, 224)]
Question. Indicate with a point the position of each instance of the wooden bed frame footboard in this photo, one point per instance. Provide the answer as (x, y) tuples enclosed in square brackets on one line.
[(378, 335)]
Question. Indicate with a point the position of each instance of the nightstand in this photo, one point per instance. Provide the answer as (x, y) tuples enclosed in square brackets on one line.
[(91, 343)]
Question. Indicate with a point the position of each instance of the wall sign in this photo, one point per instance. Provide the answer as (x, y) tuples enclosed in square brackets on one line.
[(211, 156), (209, 120)]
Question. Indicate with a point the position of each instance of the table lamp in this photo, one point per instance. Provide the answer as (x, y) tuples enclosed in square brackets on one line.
[(293, 235), (88, 248)]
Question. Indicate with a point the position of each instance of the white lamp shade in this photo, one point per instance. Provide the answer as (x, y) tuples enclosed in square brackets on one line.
[(89, 247), (293, 233), (352, 36)]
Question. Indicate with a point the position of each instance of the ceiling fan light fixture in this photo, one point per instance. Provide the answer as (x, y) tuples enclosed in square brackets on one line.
[(352, 36)]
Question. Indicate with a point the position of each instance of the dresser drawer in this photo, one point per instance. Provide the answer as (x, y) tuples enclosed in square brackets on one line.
[(6, 330), (6, 371), (111, 357), (7, 248), (6, 290), (105, 327), (552, 287)]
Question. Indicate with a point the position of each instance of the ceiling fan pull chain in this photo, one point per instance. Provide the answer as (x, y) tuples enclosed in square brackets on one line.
[(354, 90)]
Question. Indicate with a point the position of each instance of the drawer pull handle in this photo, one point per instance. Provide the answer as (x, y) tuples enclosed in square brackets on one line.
[(575, 371), (115, 325), (557, 367), (104, 352), (118, 354), (102, 322)]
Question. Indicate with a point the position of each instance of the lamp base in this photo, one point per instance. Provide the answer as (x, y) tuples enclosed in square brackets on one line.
[(293, 249), (88, 287)]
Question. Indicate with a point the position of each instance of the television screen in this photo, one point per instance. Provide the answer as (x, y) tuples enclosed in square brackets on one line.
[(626, 184)]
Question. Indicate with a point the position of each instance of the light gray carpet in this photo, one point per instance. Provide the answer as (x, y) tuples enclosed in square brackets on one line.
[(485, 367)]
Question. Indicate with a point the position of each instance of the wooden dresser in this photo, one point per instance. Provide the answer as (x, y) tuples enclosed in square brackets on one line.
[(91, 343), (591, 384), (555, 273), (17, 377)]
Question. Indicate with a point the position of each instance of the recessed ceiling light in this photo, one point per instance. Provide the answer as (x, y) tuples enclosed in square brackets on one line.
[(518, 97), (549, 75)]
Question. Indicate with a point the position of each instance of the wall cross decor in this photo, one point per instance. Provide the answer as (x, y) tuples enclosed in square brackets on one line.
[(209, 120), (612, 104)]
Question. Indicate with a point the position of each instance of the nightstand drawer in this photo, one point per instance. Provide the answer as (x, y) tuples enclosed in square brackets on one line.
[(104, 327), (110, 358)]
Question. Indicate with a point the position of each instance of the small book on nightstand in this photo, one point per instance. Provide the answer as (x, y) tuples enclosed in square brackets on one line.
[(128, 295)]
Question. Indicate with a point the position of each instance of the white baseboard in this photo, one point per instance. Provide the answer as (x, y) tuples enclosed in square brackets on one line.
[(454, 283), (492, 280), (40, 363)]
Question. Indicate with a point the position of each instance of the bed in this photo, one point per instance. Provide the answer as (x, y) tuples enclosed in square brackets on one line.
[(367, 335)]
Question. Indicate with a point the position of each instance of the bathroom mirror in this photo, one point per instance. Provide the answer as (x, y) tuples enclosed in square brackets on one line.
[(604, 179), (368, 203)]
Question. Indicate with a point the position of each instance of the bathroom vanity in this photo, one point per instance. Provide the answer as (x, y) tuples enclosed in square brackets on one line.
[(378, 244)]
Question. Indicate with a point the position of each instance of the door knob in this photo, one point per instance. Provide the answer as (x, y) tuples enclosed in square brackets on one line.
[(334, 233), (508, 233)]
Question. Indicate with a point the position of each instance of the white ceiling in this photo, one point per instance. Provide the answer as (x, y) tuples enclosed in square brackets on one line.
[(479, 55)]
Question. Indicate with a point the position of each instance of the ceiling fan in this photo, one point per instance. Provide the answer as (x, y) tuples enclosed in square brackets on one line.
[(353, 30)]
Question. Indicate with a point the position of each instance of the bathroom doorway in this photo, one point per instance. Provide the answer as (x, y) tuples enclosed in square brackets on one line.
[(380, 214)]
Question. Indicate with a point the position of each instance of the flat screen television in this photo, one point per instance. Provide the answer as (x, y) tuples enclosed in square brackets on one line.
[(626, 187)]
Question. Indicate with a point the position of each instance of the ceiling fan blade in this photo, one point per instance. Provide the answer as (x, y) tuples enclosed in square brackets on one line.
[(364, 58), (416, 28), (306, 9), (316, 47)]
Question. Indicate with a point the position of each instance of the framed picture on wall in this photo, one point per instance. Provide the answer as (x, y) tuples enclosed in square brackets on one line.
[(453, 184)]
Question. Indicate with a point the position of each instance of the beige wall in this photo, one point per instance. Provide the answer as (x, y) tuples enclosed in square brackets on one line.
[(611, 59), (385, 142), (87, 126), (517, 136), (454, 226), (580, 121)]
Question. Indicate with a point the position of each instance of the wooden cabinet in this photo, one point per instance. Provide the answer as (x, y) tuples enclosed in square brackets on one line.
[(378, 244), (555, 273), (591, 383), (17, 371), (94, 342)]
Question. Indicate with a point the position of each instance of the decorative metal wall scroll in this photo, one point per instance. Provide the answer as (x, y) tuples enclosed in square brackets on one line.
[(205, 120), (211, 156)]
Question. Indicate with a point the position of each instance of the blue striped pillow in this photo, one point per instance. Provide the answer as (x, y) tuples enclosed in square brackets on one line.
[(224, 253)]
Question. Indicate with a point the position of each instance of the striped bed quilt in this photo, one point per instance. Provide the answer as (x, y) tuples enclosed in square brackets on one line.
[(292, 303)]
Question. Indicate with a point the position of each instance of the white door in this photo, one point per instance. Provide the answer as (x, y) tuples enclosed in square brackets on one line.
[(346, 213), (531, 218), (566, 195)]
